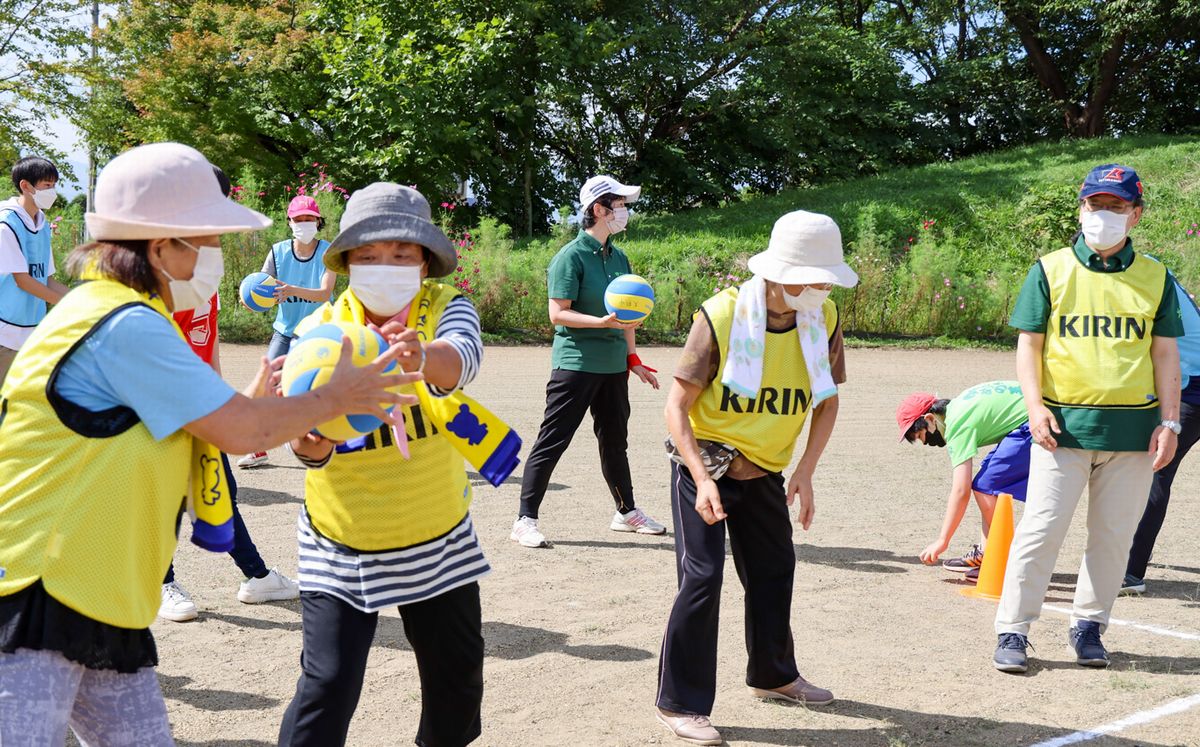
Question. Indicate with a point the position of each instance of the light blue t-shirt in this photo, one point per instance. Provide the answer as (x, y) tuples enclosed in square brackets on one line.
[(136, 359)]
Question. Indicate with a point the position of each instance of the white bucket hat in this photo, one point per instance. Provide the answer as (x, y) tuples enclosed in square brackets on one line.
[(598, 186), (164, 191), (805, 248)]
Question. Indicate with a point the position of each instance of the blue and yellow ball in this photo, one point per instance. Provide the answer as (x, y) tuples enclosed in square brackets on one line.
[(258, 291), (630, 297), (311, 361)]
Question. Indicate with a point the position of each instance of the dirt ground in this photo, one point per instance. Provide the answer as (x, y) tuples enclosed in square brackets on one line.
[(573, 632)]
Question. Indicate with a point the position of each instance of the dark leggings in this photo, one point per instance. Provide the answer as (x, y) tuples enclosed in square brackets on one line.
[(446, 636), (1160, 494), (569, 396)]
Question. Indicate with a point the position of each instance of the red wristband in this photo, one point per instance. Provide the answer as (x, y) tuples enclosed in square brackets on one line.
[(632, 360)]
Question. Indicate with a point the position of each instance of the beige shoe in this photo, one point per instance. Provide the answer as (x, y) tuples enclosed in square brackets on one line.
[(800, 691), (690, 727)]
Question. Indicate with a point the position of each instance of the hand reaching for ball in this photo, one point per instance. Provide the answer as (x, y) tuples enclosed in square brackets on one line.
[(368, 389)]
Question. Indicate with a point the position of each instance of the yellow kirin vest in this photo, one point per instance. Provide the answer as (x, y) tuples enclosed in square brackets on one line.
[(1097, 348), (88, 501), (373, 499), (764, 429)]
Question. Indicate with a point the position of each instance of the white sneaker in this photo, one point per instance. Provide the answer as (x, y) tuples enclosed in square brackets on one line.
[(177, 605), (636, 521), (257, 459), (525, 532), (272, 587)]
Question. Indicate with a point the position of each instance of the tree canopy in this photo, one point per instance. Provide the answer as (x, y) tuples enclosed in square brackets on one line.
[(699, 100)]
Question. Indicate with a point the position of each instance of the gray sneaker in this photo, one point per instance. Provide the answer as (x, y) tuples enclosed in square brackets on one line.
[(1084, 638), (1010, 653)]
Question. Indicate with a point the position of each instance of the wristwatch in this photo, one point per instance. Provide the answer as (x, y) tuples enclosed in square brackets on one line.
[(1173, 426)]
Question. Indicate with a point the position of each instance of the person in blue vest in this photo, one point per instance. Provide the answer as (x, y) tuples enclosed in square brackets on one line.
[(1189, 419), (26, 262), (298, 264)]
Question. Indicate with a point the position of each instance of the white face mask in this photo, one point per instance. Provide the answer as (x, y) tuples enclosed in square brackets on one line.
[(385, 289), (618, 220), (304, 231), (807, 300), (1104, 229), (44, 198), (206, 278)]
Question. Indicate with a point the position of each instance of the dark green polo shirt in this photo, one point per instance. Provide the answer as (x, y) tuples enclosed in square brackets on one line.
[(1082, 427), (580, 272)]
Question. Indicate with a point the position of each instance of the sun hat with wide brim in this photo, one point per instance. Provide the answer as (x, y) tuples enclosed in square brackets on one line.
[(384, 211), (163, 191), (805, 248)]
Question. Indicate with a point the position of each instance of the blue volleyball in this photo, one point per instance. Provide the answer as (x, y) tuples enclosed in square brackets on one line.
[(310, 363), (258, 291), (630, 297)]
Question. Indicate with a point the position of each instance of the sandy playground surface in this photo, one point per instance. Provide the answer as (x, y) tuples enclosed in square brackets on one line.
[(573, 632)]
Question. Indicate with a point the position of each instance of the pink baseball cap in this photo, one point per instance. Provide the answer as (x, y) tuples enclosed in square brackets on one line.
[(303, 205)]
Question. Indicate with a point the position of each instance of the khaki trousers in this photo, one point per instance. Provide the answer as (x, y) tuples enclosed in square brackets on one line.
[(6, 359), (1118, 484)]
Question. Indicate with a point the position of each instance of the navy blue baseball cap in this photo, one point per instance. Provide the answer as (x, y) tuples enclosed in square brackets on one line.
[(1112, 179)]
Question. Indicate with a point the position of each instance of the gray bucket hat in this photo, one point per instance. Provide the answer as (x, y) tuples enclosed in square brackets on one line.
[(385, 211)]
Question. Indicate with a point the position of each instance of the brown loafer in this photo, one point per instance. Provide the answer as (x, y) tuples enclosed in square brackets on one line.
[(801, 691), (690, 727)]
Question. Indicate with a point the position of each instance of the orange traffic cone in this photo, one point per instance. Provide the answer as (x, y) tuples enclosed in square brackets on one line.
[(995, 556)]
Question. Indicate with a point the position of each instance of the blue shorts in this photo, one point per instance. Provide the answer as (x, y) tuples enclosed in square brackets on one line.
[(1006, 468)]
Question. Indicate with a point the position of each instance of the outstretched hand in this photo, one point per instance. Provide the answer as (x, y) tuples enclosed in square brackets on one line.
[(368, 390)]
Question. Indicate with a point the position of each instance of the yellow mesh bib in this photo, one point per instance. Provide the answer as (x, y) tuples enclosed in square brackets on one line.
[(1097, 348), (88, 502), (765, 428), (374, 499)]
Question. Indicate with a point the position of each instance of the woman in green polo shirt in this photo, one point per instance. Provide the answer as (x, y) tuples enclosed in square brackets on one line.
[(592, 357)]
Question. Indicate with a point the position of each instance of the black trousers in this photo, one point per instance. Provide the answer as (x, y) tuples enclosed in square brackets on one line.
[(569, 395), (760, 536), (1160, 494), (445, 633)]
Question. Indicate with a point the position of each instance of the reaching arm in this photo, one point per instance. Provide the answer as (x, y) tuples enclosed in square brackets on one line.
[(956, 506), (243, 425)]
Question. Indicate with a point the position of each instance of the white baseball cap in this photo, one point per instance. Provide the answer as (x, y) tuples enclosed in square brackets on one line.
[(164, 191), (598, 186), (805, 248)]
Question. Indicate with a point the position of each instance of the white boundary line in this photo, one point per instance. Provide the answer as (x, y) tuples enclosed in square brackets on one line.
[(1140, 626), (1137, 719)]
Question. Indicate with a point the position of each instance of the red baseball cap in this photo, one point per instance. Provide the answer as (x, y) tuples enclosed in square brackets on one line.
[(912, 409), (303, 205)]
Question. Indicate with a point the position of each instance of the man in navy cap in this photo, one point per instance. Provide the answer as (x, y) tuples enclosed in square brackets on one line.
[(1099, 370)]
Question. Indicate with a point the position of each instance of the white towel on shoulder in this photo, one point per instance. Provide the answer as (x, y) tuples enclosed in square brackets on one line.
[(747, 341)]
